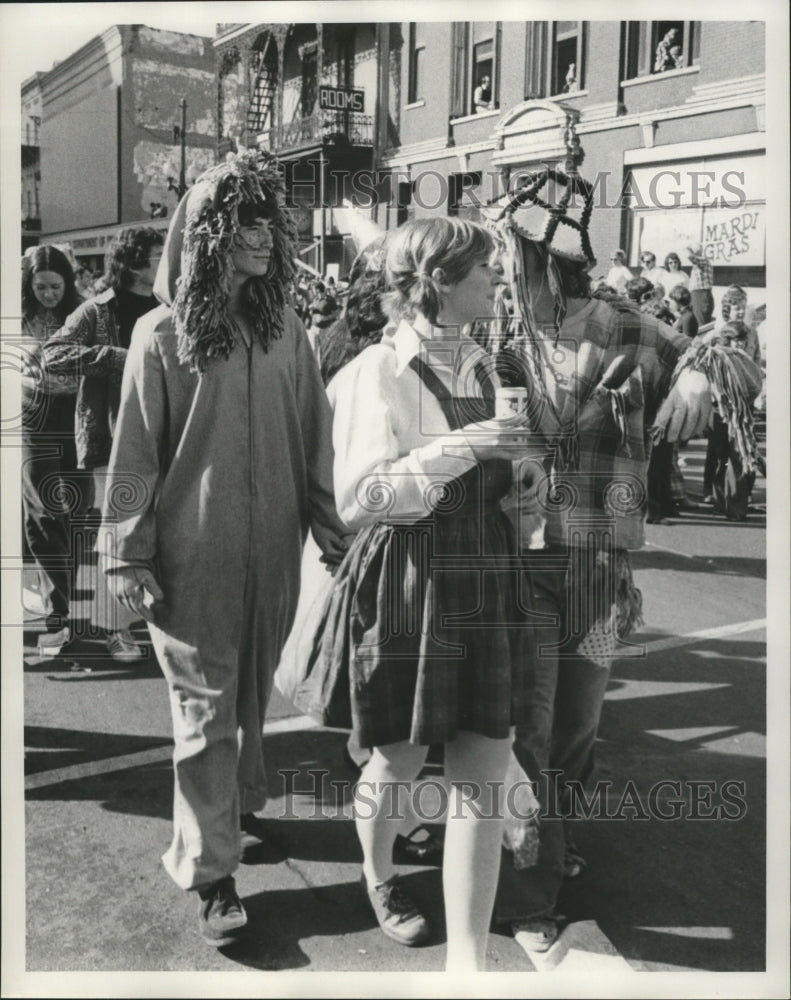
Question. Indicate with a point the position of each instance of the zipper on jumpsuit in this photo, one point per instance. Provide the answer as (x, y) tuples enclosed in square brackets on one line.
[(252, 489), (251, 434)]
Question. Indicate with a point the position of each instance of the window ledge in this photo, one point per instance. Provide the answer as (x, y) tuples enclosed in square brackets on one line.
[(568, 95), (421, 103), (475, 117), (685, 71)]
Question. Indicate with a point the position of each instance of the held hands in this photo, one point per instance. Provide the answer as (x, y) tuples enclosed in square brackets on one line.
[(136, 590), (501, 437), (687, 411), (332, 544)]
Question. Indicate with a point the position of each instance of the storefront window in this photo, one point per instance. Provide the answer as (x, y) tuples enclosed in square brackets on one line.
[(718, 202)]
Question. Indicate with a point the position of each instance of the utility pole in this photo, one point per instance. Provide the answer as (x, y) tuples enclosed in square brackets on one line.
[(183, 168)]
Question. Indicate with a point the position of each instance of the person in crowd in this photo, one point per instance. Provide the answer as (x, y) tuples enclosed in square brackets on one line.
[(363, 319), (656, 307), (732, 458), (640, 291), (92, 347), (605, 292), (666, 491), (619, 274), (668, 52), (598, 372), (673, 268), (362, 324), (323, 312), (733, 307), (701, 280), (659, 298), (83, 279), (482, 95), (49, 460), (652, 271), (419, 474), (223, 444), (684, 319)]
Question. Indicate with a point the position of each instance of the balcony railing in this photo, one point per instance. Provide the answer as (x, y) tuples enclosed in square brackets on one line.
[(331, 127)]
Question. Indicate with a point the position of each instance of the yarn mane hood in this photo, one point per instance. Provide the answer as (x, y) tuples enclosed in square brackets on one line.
[(194, 276)]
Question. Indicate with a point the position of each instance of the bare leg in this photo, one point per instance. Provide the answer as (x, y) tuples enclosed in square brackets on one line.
[(379, 813), (475, 768)]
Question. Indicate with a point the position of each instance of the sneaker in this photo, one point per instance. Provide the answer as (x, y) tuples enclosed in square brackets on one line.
[(222, 915), (397, 915), (537, 933), (123, 647), (51, 643)]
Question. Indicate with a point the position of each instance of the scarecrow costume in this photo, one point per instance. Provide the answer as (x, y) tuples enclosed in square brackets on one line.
[(595, 381), (221, 461)]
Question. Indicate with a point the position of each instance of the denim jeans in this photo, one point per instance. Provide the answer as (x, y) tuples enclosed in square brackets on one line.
[(49, 488), (575, 650), (731, 485)]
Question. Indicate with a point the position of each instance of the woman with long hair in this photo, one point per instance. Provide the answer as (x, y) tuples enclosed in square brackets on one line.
[(49, 459), (417, 652), (677, 276)]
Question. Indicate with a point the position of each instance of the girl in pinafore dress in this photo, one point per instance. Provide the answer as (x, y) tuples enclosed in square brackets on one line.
[(422, 643)]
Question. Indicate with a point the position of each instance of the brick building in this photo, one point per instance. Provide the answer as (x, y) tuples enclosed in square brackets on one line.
[(677, 153), (109, 140)]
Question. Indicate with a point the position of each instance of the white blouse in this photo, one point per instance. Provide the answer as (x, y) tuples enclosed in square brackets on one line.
[(391, 438)]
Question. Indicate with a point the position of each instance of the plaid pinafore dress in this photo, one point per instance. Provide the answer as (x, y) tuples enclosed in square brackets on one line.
[(423, 634)]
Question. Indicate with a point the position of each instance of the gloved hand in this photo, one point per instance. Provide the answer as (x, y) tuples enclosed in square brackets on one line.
[(135, 589), (687, 411)]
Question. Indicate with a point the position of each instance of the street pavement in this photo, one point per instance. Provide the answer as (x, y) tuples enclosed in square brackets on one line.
[(687, 705)]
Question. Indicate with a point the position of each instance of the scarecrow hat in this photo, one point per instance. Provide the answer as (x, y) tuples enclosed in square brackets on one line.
[(194, 275), (553, 206)]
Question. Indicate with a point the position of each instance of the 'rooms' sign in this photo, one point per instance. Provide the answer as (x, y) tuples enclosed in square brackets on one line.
[(334, 99)]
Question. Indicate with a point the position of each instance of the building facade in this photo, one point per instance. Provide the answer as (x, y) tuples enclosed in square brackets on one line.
[(110, 136), (670, 115), (312, 93), (31, 160)]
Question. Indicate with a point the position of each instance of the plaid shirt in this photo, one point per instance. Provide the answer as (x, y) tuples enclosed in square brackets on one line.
[(702, 273), (624, 363)]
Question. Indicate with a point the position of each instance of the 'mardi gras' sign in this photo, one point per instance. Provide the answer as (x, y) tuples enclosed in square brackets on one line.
[(734, 237)]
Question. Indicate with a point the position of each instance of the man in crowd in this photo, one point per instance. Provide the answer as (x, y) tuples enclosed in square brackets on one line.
[(701, 279), (652, 271), (92, 346), (619, 273), (597, 372)]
